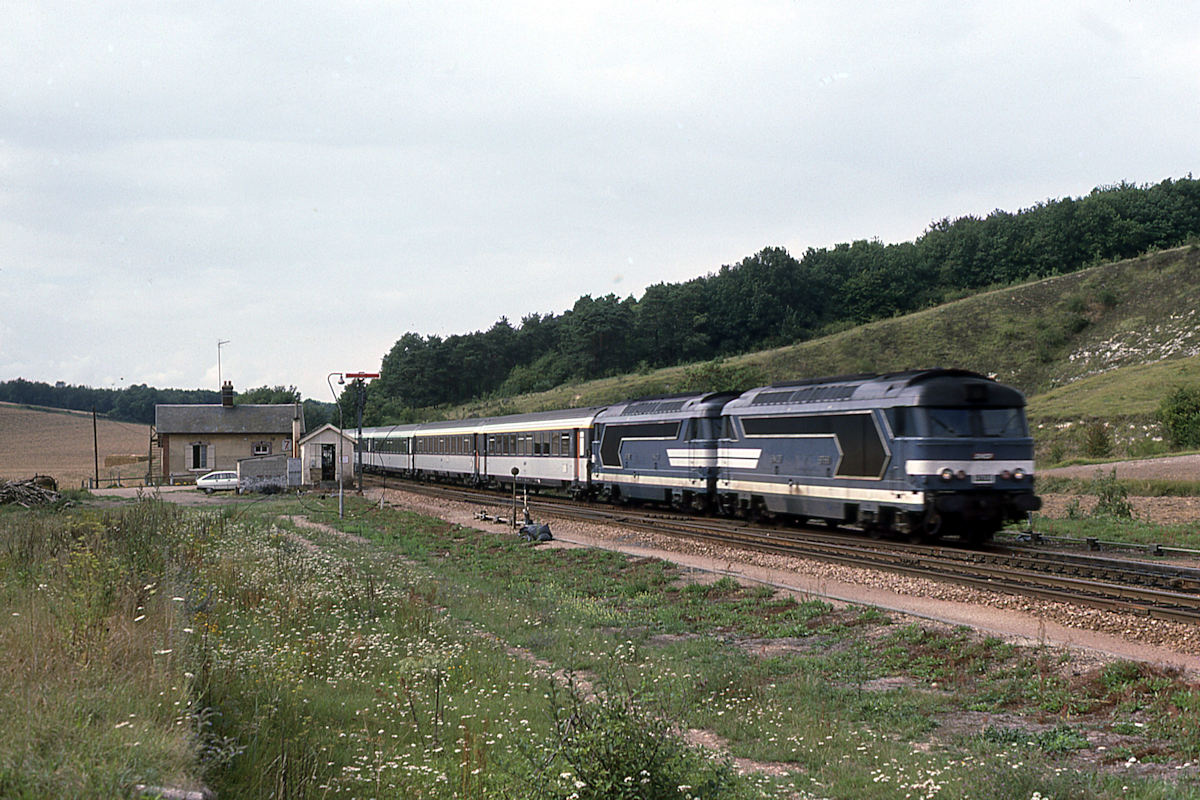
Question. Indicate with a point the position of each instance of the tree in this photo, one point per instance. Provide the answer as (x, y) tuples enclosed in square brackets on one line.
[(268, 395), (1179, 414)]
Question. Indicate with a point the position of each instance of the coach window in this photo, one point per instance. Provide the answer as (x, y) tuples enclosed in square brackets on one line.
[(565, 443)]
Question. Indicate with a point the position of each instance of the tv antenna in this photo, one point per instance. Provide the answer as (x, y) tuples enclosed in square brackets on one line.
[(220, 342)]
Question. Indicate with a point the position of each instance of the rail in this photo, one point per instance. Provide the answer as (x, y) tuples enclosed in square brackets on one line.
[(1166, 592)]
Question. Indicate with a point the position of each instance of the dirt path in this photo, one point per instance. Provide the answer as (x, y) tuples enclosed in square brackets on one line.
[(1177, 468)]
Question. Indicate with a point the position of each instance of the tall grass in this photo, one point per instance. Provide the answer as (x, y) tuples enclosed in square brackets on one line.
[(160, 647), (95, 697)]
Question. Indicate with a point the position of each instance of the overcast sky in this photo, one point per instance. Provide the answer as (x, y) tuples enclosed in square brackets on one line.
[(311, 180)]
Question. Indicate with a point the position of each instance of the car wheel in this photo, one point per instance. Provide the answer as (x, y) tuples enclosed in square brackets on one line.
[(208, 491)]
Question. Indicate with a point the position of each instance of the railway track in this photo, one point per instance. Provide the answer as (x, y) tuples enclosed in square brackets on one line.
[(1154, 589)]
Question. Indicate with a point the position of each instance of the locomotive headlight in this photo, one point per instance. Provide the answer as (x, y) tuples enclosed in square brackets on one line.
[(1006, 475), (947, 474), (961, 475), (1018, 474)]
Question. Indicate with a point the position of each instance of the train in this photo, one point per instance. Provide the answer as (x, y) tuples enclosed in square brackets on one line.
[(924, 453)]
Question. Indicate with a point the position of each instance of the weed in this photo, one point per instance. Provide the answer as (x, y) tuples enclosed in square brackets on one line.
[(616, 745), (1112, 498), (1056, 740)]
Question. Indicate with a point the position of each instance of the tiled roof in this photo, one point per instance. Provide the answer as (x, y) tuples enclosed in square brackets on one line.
[(216, 418)]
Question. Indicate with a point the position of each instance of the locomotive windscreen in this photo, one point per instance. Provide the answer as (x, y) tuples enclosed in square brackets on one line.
[(1007, 423)]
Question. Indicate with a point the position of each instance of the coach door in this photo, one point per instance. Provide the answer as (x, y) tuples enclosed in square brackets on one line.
[(580, 454)]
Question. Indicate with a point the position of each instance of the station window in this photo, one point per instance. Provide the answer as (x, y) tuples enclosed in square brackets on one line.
[(199, 456), (262, 448)]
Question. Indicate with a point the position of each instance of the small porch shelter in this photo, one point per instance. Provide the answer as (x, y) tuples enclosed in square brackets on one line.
[(327, 455)]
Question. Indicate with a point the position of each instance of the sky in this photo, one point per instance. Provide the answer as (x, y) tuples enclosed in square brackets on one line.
[(309, 181)]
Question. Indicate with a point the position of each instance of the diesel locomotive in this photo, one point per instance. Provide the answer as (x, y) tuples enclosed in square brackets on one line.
[(926, 453)]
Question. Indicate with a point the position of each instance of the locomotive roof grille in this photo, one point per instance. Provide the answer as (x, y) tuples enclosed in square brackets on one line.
[(809, 394), (655, 407)]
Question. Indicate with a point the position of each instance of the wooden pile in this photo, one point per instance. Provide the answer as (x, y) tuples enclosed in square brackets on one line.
[(27, 493)]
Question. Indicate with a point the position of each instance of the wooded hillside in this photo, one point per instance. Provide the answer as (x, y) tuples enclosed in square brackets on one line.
[(772, 298)]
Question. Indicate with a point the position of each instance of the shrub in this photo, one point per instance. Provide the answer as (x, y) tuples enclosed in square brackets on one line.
[(1112, 498), (1097, 441), (1179, 414), (615, 746)]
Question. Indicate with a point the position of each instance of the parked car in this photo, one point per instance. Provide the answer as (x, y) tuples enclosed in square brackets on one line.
[(217, 482)]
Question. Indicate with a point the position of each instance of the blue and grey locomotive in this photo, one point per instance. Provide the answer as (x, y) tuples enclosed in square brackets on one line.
[(931, 452), (659, 449)]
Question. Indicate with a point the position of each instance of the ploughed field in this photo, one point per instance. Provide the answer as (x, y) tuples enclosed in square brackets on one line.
[(1158, 510), (60, 444)]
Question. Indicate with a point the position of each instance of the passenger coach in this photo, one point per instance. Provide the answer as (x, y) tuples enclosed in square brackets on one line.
[(549, 448)]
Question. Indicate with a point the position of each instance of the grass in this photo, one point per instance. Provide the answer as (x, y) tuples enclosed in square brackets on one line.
[(303, 663)]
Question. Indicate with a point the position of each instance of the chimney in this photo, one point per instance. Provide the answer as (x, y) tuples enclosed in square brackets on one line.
[(227, 394)]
